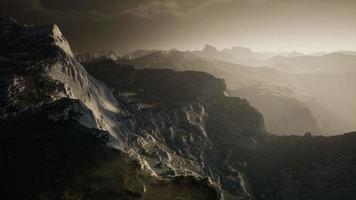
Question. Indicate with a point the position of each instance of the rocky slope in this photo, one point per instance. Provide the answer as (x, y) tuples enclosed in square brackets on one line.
[(63, 132), (262, 165), (189, 119), (44, 158)]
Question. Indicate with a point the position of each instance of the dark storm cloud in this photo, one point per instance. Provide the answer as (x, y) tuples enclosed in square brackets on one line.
[(106, 9), (116, 7), (96, 24), (186, 24)]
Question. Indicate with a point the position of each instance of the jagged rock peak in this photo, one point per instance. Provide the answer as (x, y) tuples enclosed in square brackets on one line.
[(53, 31), (31, 37), (44, 53)]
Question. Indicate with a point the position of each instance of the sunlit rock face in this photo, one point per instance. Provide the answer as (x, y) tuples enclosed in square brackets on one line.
[(190, 125), (44, 70), (168, 121), (66, 130)]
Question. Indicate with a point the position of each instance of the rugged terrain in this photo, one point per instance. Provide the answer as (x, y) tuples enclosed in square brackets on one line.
[(279, 167), (62, 137), (187, 113), (112, 131), (261, 86)]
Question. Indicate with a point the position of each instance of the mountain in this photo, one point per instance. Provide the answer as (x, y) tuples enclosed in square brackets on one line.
[(240, 53), (329, 79), (183, 111), (63, 133), (280, 167), (329, 63), (242, 80), (112, 131), (211, 52), (353, 53), (328, 95), (93, 56), (283, 113), (139, 53)]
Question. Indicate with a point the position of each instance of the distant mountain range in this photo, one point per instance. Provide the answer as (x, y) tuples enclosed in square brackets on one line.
[(313, 91), (241, 53)]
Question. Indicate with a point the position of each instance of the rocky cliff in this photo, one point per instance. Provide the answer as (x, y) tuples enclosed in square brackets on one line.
[(188, 119), (173, 124), (64, 134)]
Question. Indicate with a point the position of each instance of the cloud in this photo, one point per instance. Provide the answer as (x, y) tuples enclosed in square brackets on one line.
[(75, 10), (154, 8), (178, 8)]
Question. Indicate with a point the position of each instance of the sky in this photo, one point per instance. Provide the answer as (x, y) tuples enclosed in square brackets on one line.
[(262, 25)]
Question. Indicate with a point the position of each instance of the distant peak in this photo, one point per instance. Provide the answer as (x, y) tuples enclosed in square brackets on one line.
[(210, 48)]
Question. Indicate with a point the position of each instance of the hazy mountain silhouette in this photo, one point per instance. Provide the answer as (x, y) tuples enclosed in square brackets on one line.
[(330, 109)]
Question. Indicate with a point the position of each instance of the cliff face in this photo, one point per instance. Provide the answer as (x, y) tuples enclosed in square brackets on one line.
[(64, 134), (177, 126), (193, 128)]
